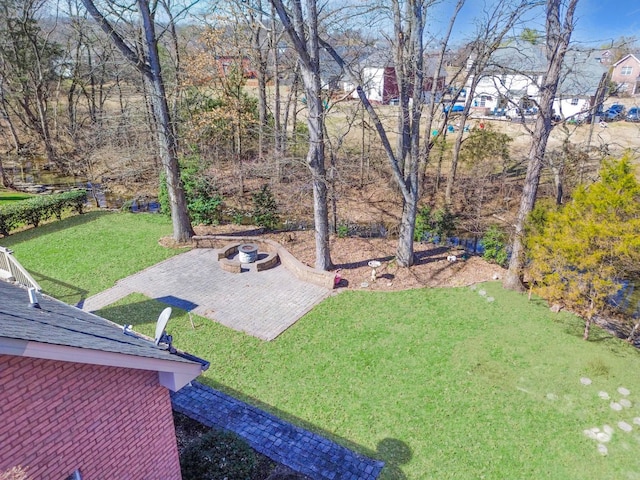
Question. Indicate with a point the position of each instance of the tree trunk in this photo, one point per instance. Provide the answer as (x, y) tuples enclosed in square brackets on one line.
[(513, 279), (279, 133), (558, 36), (587, 328), (404, 251), (315, 162), (257, 39), (167, 147), (597, 103), (557, 180), (6, 183), (303, 33), (15, 139)]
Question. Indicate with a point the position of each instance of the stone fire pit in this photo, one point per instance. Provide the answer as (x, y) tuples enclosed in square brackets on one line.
[(247, 253)]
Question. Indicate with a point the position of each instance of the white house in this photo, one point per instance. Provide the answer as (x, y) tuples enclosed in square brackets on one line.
[(380, 84), (510, 85)]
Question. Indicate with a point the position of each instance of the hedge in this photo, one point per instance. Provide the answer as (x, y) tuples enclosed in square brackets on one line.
[(35, 210)]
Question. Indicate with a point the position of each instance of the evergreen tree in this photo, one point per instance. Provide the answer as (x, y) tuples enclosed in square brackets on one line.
[(579, 253)]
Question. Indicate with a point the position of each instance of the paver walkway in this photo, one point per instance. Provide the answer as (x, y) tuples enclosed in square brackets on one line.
[(283, 442), (263, 304)]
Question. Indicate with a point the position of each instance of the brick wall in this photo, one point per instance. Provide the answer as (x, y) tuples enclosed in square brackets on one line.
[(111, 423)]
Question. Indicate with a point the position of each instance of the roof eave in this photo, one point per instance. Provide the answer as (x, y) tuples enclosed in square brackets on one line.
[(171, 375)]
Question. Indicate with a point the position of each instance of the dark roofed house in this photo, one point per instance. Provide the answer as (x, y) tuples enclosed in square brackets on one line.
[(511, 82), (80, 398)]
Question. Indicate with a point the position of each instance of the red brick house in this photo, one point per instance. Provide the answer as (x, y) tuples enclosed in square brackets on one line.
[(626, 73), (80, 399)]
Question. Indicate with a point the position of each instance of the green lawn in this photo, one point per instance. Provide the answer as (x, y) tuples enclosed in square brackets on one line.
[(439, 383), (85, 254), (8, 196)]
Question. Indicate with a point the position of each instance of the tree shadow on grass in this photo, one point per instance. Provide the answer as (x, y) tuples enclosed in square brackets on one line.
[(394, 452), (52, 227)]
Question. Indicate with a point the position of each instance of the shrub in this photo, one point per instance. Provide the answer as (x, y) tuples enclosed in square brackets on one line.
[(265, 209), (440, 224), (218, 456), (38, 209), (443, 223), (342, 230), (9, 218), (204, 203), (583, 250), (495, 249), (75, 199), (423, 224)]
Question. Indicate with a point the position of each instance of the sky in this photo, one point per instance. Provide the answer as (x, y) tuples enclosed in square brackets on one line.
[(597, 22), (602, 21)]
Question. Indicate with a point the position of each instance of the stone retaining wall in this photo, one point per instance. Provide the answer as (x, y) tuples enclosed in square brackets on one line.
[(291, 263)]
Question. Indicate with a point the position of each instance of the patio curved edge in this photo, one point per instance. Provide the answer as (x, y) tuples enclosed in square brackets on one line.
[(296, 267)]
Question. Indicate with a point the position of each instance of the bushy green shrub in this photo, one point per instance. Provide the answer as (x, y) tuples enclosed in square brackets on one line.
[(218, 455), (495, 248), (443, 223), (440, 223), (204, 203), (37, 209), (9, 218), (423, 224), (265, 209), (342, 230)]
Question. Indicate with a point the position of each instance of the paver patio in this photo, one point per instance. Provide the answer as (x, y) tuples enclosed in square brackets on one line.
[(262, 304)]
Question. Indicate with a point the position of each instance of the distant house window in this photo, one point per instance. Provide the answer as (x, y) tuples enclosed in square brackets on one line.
[(484, 99), (574, 101), (74, 476), (626, 70)]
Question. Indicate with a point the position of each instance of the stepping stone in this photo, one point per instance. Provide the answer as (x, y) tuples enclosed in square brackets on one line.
[(625, 403), (625, 427)]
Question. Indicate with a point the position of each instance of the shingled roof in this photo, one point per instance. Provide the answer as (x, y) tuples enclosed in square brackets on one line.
[(59, 331)]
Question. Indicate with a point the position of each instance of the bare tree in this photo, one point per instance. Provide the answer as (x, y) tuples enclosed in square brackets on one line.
[(302, 27), (409, 158), (559, 27), (498, 23), (149, 67), (254, 20), (28, 68)]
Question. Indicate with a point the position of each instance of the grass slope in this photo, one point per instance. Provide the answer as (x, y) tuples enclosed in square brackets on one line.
[(439, 383), (8, 196), (85, 254)]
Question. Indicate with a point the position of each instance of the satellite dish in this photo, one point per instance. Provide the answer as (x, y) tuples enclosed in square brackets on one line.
[(161, 324)]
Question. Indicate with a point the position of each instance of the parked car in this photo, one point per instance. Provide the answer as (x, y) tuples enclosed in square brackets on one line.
[(456, 108), (633, 115), (613, 113), (519, 114)]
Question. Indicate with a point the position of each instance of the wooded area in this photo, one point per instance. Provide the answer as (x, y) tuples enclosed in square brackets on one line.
[(205, 104)]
